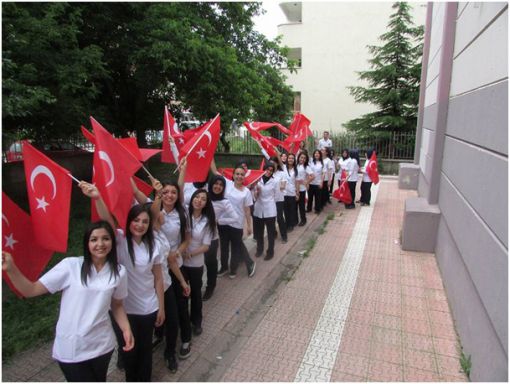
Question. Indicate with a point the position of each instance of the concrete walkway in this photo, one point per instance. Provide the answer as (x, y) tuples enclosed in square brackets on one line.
[(355, 308)]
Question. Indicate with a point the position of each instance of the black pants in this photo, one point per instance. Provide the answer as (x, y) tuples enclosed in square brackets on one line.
[(194, 277), (239, 251), (89, 370), (314, 193), (171, 325), (366, 194), (258, 231), (182, 309), (290, 210), (138, 361), (331, 184), (324, 194), (282, 225), (352, 188), (211, 263), (301, 205), (224, 233)]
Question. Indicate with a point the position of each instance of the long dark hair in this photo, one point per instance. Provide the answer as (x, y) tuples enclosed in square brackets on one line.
[(214, 179), (178, 207), (147, 238), (111, 258), (320, 156), (354, 154), (293, 165), (276, 163), (307, 159), (207, 211)]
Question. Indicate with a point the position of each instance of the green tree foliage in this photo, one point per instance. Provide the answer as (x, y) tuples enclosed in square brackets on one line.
[(121, 62), (394, 79)]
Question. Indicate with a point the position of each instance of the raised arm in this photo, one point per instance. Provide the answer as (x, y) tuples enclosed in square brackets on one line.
[(214, 170), (180, 181), (90, 190), (156, 204), (26, 287), (139, 196)]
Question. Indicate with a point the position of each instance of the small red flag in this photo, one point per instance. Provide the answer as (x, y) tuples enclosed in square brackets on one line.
[(49, 196), (300, 128), (143, 186), (250, 176), (132, 146), (19, 240), (88, 135), (372, 171), (343, 193), (200, 150), (265, 143), (170, 128)]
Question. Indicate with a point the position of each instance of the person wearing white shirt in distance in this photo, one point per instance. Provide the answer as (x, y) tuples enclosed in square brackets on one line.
[(325, 142), (329, 172), (140, 254), (366, 182), (303, 178), (84, 338), (352, 176)]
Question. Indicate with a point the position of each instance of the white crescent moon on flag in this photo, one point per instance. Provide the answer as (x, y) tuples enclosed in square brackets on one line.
[(104, 156), (5, 218), (248, 173), (176, 129), (45, 171), (372, 165), (208, 134)]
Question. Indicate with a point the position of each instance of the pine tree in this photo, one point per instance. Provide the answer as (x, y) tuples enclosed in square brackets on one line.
[(393, 80)]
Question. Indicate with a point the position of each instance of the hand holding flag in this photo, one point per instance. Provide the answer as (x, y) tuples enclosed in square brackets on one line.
[(371, 170), (343, 193)]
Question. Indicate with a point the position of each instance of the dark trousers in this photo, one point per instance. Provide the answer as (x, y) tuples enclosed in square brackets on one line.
[(194, 276), (239, 251), (171, 326), (301, 205), (182, 309), (352, 188), (314, 193), (258, 232), (331, 184), (224, 233), (324, 194), (282, 225), (366, 194), (211, 263), (138, 361), (89, 370), (290, 210)]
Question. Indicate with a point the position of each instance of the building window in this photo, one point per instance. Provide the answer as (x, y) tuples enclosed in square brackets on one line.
[(297, 102), (295, 55)]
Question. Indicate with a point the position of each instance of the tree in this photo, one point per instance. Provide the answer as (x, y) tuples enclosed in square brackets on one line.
[(204, 55), (393, 80)]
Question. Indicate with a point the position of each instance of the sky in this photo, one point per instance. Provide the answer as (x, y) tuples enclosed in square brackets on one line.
[(268, 23)]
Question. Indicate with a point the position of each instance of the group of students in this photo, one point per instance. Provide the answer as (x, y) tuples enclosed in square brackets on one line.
[(149, 276)]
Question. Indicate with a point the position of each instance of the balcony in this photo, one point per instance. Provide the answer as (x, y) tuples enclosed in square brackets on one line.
[(293, 11)]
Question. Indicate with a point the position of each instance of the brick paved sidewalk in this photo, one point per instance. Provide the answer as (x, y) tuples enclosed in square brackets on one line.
[(357, 308)]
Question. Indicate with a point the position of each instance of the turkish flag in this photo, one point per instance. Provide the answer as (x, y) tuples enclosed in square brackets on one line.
[(260, 126), (131, 145), (250, 177), (266, 143), (88, 135), (343, 175), (49, 196), (371, 169), (113, 167), (170, 128), (300, 128), (143, 186), (343, 193), (18, 239), (199, 150)]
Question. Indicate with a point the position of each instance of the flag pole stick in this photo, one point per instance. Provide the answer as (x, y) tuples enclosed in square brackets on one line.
[(74, 178), (148, 173)]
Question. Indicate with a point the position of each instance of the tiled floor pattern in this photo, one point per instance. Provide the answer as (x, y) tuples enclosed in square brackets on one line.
[(320, 356)]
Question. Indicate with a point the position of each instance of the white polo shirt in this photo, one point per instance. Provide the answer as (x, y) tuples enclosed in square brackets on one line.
[(165, 249), (200, 235), (352, 169), (302, 174), (142, 298), (171, 228), (342, 164), (280, 176), (290, 188), (329, 166), (324, 143), (225, 212), (239, 200), (84, 329), (366, 178), (318, 170), (265, 205)]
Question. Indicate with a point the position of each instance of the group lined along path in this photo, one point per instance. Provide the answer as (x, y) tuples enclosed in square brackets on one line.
[(354, 308)]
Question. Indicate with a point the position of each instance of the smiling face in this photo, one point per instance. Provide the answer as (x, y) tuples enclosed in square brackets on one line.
[(139, 225), (291, 160), (284, 157), (100, 244), (170, 196), (217, 187), (269, 171), (199, 201), (317, 155), (302, 159), (239, 176)]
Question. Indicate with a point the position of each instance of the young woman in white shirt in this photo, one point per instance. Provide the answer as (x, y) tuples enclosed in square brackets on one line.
[(140, 254), (90, 285), (366, 182), (290, 195), (352, 176), (329, 169), (303, 178), (281, 178), (316, 184)]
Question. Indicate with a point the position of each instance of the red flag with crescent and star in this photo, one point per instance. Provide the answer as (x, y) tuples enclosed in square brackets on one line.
[(371, 170), (49, 196), (266, 143), (251, 175), (199, 150), (260, 126), (300, 128), (19, 240), (343, 193), (170, 128), (114, 165)]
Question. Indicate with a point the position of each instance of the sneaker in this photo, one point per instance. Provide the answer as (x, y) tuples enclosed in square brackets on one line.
[(208, 293), (185, 352), (171, 363), (251, 269), (222, 272), (197, 330), (269, 256), (232, 275)]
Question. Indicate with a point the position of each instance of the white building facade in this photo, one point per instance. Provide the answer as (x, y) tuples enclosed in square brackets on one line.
[(329, 40)]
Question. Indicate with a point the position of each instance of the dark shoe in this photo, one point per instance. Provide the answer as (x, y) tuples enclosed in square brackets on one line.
[(358, 201), (197, 331), (208, 293), (222, 272), (284, 241), (258, 253), (185, 352), (275, 234), (232, 275), (290, 229), (269, 256), (317, 212), (120, 361), (171, 363), (251, 269), (302, 224)]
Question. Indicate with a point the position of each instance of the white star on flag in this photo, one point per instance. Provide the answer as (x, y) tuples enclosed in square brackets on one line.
[(41, 204), (201, 153), (181, 140), (9, 241)]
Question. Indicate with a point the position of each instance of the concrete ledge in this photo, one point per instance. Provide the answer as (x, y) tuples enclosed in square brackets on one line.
[(419, 229), (408, 176)]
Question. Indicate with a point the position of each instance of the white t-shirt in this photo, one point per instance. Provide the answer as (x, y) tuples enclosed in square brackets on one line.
[(329, 166), (324, 143), (302, 174), (366, 178), (84, 329), (142, 298), (290, 188), (200, 235), (172, 229), (265, 205), (318, 170), (342, 166), (225, 212), (281, 177), (352, 169), (165, 249), (239, 200)]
